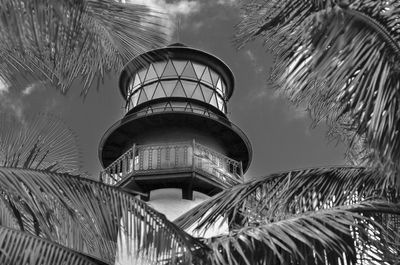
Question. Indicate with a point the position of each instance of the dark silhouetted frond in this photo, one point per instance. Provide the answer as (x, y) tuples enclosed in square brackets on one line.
[(42, 142), (268, 198), (92, 218), (342, 61), (64, 40), (342, 235), (303, 217), (19, 248)]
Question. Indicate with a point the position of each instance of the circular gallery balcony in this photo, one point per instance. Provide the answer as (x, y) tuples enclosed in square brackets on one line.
[(149, 167)]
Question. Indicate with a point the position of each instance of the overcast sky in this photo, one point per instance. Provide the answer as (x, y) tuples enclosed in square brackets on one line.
[(280, 134)]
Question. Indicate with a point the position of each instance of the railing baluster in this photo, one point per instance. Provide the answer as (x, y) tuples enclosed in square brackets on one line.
[(176, 156), (123, 161), (159, 157)]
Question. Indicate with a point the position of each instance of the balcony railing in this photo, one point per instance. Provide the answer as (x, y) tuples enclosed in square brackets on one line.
[(160, 158)]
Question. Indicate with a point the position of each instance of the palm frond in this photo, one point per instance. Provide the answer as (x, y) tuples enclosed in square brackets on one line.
[(61, 41), (341, 61), (91, 217), (39, 142), (341, 235), (20, 248), (272, 197)]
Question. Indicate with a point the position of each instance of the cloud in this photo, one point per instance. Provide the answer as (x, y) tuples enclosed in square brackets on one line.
[(175, 10), (228, 2), (29, 89), (12, 106), (7, 104), (181, 7), (4, 87), (257, 67)]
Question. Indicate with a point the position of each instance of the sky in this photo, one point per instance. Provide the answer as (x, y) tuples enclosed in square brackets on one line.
[(282, 135)]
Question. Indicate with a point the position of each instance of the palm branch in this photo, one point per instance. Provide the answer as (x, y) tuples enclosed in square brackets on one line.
[(321, 237), (20, 248), (45, 200), (39, 142), (340, 58), (89, 217), (310, 216), (61, 41)]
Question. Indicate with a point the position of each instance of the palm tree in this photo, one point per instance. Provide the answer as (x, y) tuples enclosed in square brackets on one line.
[(340, 59), (51, 214), (59, 41)]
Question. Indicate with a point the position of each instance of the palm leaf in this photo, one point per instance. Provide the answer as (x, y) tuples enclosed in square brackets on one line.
[(269, 198), (21, 248), (321, 237), (341, 61), (38, 142), (306, 216), (61, 41), (89, 217)]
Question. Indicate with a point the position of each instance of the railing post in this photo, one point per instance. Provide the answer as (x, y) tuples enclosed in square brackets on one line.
[(241, 169), (193, 154), (101, 177), (133, 158)]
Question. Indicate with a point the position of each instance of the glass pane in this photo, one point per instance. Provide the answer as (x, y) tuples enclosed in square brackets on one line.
[(137, 81), (206, 77), (142, 74), (178, 91), (198, 94), (151, 73), (169, 87), (189, 107), (223, 88), (199, 111), (189, 87), (159, 67), (219, 87), (199, 69), (189, 71), (130, 87), (214, 77), (168, 107), (159, 93), (134, 98), (179, 66), (220, 103), (169, 70), (213, 101), (208, 92), (150, 90), (178, 105), (142, 97)]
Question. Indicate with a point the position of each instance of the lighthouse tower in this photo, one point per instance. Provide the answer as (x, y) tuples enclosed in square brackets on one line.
[(175, 146)]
